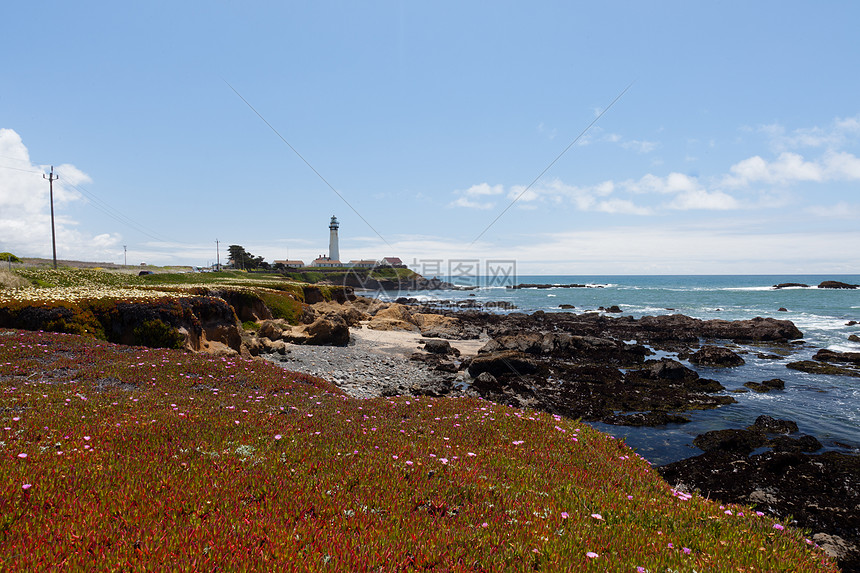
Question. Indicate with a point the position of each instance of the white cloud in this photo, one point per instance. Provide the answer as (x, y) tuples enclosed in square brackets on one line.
[(622, 206), (469, 204), (832, 136), (25, 210), (701, 199), (790, 168), (672, 183), (470, 197)]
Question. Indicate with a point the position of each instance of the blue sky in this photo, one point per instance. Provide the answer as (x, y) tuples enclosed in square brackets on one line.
[(736, 148)]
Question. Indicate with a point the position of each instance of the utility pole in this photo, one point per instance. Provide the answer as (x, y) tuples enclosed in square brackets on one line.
[(51, 180), (125, 255), (218, 255)]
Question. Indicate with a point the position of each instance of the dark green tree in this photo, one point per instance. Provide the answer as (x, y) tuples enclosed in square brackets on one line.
[(242, 259)]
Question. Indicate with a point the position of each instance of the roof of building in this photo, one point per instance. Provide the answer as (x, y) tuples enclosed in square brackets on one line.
[(393, 260), (291, 263)]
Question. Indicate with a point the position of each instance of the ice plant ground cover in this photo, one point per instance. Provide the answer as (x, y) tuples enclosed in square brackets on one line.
[(135, 459)]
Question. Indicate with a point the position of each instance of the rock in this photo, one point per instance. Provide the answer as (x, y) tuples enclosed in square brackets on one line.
[(646, 419), (439, 326), (766, 386), (771, 425), (271, 329), (396, 311), (801, 444), (438, 347), (788, 285), (735, 441), (834, 545), (668, 369), (450, 367), (566, 306), (501, 363), (814, 367), (825, 355), (529, 342), (390, 324), (273, 346), (485, 382), (782, 309), (503, 304), (837, 285), (614, 309), (331, 331), (436, 388), (716, 356), (854, 338)]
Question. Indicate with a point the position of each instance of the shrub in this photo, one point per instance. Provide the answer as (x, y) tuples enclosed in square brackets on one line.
[(156, 334), (283, 306), (11, 280)]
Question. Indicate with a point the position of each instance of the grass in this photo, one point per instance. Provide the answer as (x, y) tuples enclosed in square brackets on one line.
[(140, 459)]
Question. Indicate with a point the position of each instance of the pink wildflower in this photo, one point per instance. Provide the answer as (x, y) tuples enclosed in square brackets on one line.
[(591, 555), (26, 486), (564, 515), (778, 527), (22, 455)]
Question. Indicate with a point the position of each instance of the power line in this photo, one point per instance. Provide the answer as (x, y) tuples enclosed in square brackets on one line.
[(116, 215), (18, 169)]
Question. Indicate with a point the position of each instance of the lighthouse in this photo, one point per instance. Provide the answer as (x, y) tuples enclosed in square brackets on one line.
[(333, 248)]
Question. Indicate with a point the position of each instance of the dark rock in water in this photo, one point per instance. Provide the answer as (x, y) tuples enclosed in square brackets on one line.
[(764, 356), (646, 419), (503, 304), (614, 309), (504, 362), (766, 386), (801, 444), (813, 367), (854, 338), (787, 285), (566, 306), (737, 441), (782, 309), (836, 284), (821, 492), (825, 355), (667, 369), (771, 425), (716, 356)]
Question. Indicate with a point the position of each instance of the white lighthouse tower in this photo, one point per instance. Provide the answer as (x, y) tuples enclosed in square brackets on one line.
[(333, 248)]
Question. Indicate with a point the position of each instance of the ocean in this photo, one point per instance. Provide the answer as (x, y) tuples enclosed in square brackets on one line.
[(827, 407)]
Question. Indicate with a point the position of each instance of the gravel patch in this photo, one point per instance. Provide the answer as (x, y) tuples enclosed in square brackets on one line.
[(373, 364)]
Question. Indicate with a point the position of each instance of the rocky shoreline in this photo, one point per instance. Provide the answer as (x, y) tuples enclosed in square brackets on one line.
[(603, 368)]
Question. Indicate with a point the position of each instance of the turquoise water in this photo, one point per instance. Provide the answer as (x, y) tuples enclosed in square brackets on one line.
[(827, 407)]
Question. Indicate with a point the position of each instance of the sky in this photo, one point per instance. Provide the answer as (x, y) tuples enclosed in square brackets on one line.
[(571, 138)]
